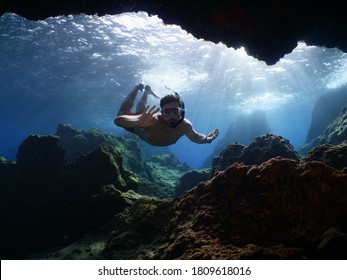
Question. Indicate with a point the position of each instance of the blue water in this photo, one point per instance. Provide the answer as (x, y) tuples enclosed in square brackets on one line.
[(78, 69)]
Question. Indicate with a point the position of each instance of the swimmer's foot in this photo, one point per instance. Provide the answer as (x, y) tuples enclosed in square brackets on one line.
[(149, 90), (140, 87)]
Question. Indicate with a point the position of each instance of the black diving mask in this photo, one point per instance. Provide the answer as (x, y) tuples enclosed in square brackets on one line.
[(175, 111)]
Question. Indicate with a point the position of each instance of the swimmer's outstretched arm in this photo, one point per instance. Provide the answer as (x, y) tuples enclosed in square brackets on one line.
[(211, 136), (146, 119), (197, 137)]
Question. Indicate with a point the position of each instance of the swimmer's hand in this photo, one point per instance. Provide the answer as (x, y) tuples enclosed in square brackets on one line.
[(147, 118), (213, 135)]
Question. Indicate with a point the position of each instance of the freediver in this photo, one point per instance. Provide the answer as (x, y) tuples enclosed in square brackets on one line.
[(159, 126)]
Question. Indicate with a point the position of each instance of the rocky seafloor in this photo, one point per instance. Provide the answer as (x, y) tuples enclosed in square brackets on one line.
[(86, 194)]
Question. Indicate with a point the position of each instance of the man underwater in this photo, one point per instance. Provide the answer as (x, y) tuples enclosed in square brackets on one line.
[(159, 128)]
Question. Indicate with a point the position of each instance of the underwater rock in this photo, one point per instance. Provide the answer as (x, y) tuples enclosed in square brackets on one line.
[(55, 202), (163, 172), (40, 156), (334, 156), (247, 127), (227, 157), (325, 110), (170, 161), (156, 176), (334, 134), (190, 179), (7, 175), (102, 166), (278, 210), (333, 245), (77, 142), (262, 149), (243, 131)]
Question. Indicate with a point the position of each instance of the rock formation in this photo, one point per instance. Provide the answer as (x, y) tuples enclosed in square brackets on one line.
[(326, 109), (262, 149), (255, 205), (157, 175), (55, 200), (332, 155), (243, 131), (277, 210), (334, 134), (190, 179)]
